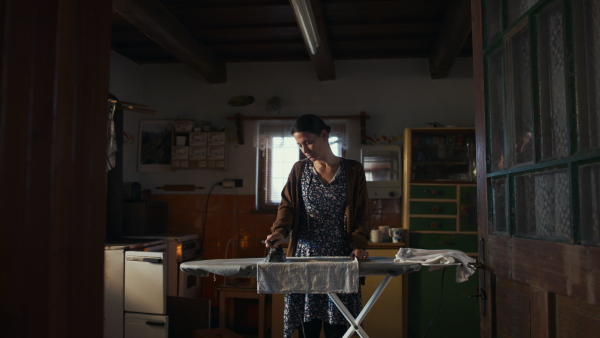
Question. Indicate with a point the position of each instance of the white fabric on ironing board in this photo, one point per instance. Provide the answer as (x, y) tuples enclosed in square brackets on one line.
[(248, 267), (444, 256), (232, 267), (309, 275)]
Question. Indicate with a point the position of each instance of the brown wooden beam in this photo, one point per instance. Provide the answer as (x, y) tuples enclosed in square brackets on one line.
[(453, 33), (154, 20), (322, 61)]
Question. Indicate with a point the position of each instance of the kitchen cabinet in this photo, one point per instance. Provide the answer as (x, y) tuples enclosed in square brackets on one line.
[(439, 211), (387, 317)]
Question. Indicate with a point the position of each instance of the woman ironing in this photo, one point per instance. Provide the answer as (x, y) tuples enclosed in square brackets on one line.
[(324, 210)]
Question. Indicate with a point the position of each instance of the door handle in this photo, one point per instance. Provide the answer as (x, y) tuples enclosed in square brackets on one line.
[(475, 266), (481, 295), (152, 260), (157, 260), (153, 323)]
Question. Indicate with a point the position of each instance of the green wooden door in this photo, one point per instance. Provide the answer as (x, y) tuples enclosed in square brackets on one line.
[(539, 182)]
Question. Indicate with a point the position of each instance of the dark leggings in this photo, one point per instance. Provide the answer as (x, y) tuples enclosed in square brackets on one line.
[(312, 329)]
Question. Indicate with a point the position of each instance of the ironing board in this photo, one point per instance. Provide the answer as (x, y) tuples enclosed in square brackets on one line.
[(248, 268)]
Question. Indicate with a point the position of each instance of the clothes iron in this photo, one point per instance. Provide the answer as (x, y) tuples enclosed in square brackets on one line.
[(276, 255)]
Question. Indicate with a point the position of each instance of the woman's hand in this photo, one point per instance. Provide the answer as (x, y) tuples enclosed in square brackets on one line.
[(360, 254), (277, 237)]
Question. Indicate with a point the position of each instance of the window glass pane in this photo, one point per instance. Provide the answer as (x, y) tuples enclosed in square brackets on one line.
[(520, 92), (516, 8), (493, 18), (542, 206), (589, 190), (499, 214), (336, 145), (283, 153), (587, 21), (553, 141), (496, 108)]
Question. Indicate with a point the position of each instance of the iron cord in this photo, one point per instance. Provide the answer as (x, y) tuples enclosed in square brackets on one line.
[(439, 306)]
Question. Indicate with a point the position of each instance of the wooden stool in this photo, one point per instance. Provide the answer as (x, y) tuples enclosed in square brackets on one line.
[(232, 292)]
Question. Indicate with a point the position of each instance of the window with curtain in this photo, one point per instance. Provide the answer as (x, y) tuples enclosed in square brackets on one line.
[(278, 152)]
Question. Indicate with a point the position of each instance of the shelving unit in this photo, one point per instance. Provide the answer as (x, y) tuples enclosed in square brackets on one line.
[(440, 212)]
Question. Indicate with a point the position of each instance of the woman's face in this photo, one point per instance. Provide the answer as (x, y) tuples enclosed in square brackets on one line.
[(312, 145)]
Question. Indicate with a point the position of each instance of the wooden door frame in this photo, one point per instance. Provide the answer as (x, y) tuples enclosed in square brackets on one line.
[(480, 150), (53, 115)]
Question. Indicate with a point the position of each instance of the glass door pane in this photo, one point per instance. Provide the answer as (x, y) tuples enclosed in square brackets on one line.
[(542, 205), (553, 93), (498, 188), (493, 19), (586, 20), (495, 65), (589, 190), (516, 8), (520, 97)]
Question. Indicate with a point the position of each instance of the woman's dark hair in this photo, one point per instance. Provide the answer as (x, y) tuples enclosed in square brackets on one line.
[(310, 123)]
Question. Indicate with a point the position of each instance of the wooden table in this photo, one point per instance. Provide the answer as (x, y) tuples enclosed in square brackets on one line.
[(227, 296)]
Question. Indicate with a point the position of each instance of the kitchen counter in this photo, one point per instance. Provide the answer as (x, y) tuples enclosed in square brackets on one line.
[(132, 244)]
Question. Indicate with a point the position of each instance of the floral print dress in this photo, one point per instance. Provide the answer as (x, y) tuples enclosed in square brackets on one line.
[(322, 232)]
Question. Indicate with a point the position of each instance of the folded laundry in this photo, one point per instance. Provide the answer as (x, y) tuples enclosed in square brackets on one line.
[(441, 257)]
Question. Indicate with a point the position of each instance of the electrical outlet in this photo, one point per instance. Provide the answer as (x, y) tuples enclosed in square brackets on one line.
[(228, 184), (233, 183)]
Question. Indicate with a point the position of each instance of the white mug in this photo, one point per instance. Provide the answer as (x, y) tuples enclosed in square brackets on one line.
[(396, 234), (375, 236)]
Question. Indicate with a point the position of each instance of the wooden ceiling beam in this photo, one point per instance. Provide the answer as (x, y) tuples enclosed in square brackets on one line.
[(322, 60), (154, 20), (454, 31)]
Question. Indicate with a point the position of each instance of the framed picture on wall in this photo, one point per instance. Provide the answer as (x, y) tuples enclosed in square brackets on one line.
[(154, 153)]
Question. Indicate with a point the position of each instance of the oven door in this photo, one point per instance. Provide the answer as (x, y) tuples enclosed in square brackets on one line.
[(189, 285), (145, 282)]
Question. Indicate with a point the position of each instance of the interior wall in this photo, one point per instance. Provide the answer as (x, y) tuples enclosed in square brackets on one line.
[(395, 94)]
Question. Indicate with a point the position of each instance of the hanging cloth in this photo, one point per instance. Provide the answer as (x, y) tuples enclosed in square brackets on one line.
[(111, 139)]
